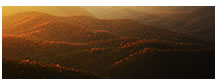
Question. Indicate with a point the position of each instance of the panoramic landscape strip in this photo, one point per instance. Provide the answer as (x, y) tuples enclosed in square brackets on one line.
[(123, 42)]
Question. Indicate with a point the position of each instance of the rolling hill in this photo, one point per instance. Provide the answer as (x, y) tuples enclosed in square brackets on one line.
[(163, 64), (48, 27), (84, 28), (198, 22), (115, 57), (26, 69)]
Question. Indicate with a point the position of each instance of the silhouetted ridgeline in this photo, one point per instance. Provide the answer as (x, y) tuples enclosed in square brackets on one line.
[(84, 28), (195, 20)]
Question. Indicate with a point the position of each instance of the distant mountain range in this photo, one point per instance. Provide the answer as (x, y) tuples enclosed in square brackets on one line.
[(198, 22), (84, 28), (111, 48), (194, 20)]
